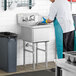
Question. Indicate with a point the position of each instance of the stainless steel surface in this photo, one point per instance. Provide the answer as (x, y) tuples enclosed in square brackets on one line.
[(20, 3), (41, 49), (46, 55), (32, 30), (33, 55), (67, 57), (28, 19), (36, 53), (70, 56), (23, 52), (29, 51), (35, 34), (72, 59), (23, 3), (40, 23), (35, 49)]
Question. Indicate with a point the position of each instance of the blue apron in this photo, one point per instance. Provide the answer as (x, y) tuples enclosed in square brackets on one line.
[(74, 39), (59, 39)]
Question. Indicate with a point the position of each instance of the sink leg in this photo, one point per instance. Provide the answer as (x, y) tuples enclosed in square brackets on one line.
[(46, 62), (33, 55), (36, 53), (23, 52)]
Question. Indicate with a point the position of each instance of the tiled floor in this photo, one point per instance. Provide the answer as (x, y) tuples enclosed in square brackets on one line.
[(28, 68)]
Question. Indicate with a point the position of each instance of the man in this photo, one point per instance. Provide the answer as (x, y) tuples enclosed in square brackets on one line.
[(61, 10)]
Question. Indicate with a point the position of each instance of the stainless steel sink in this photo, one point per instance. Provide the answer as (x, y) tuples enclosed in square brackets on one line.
[(70, 56), (32, 31), (35, 33)]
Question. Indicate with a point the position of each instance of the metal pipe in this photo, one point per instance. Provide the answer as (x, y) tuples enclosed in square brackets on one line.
[(30, 4), (5, 5), (23, 52), (40, 49), (46, 55), (28, 51), (36, 54), (33, 55)]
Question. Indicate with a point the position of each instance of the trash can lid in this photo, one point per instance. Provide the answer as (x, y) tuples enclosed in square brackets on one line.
[(8, 34)]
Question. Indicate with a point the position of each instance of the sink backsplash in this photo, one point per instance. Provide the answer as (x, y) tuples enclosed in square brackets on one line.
[(28, 19)]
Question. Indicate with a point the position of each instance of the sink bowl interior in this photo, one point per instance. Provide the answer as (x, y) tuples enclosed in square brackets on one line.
[(41, 23)]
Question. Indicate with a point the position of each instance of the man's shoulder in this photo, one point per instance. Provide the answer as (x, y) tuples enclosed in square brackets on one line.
[(55, 5)]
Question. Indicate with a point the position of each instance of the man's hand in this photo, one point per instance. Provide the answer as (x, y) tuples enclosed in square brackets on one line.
[(46, 20)]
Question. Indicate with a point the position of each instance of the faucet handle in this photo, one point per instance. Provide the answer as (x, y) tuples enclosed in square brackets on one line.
[(24, 19), (32, 18)]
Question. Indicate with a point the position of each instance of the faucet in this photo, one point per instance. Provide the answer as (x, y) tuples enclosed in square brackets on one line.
[(32, 18)]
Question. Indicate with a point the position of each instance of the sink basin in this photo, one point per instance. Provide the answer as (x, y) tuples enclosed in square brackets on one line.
[(39, 24), (35, 33), (33, 30)]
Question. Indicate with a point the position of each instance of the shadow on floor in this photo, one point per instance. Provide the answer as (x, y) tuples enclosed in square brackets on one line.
[(28, 68), (36, 73)]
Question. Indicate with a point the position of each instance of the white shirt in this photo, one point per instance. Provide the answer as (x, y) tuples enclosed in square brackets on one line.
[(62, 11)]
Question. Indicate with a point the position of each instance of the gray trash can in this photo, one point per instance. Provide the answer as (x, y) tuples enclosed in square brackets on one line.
[(8, 51)]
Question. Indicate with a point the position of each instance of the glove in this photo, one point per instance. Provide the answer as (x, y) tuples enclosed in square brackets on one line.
[(44, 20)]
